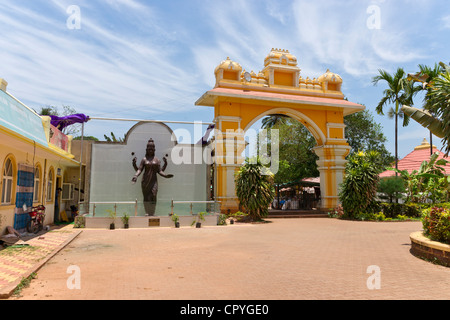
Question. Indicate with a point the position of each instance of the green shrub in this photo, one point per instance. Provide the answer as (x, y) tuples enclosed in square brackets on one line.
[(391, 188), (254, 188), (436, 224), (360, 184)]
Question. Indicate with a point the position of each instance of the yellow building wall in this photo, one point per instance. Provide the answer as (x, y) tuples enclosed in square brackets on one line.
[(28, 157)]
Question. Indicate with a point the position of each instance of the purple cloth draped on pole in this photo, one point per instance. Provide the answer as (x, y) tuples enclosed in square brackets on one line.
[(62, 122)]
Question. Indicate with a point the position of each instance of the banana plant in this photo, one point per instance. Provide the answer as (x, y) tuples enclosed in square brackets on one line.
[(429, 182), (424, 118), (437, 100)]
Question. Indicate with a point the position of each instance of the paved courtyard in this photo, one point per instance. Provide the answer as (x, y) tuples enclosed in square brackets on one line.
[(286, 259)]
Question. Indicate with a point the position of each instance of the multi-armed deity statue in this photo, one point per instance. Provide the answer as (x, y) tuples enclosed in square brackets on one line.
[(150, 166)]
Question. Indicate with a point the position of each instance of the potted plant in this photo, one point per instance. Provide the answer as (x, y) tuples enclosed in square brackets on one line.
[(198, 218), (112, 215), (176, 220), (125, 218)]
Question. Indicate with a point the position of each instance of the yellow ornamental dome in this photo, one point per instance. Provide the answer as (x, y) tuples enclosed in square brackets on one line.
[(228, 65), (330, 77), (330, 81), (280, 56)]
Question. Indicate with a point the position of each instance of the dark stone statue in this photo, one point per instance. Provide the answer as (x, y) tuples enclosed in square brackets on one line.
[(150, 166)]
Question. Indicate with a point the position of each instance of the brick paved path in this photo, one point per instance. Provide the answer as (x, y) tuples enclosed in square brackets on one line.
[(20, 261), (286, 259)]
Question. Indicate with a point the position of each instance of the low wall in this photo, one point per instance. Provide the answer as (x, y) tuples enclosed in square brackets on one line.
[(147, 222), (425, 248)]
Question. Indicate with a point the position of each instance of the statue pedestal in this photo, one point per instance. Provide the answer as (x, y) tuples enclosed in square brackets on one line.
[(148, 222)]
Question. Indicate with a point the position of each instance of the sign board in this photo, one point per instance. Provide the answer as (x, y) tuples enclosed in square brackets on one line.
[(153, 222)]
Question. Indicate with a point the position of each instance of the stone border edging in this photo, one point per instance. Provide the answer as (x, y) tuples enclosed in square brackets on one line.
[(423, 247)]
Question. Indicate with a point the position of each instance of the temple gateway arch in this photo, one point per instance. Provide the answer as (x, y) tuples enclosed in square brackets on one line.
[(240, 98)]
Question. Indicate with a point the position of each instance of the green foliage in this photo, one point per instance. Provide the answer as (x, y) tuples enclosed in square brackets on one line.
[(112, 214), (400, 91), (254, 189), (273, 120), (360, 184), (298, 160), (239, 216), (436, 224), (427, 183), (436, 117), (199, 217), (390, 188), (79, 222), (364, 134), (92, 138), (125, 218), (113, 138), (222, 220)]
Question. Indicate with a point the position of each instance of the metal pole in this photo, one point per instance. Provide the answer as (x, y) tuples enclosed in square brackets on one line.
[(155, 121), (81, 164)]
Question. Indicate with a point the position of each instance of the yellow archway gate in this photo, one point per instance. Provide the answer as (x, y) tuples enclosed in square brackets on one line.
[(241, 98)]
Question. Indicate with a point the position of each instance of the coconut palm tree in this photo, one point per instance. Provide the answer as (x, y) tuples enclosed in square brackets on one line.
[(399, 92), (272, 120), (437, 102), (426, 75)]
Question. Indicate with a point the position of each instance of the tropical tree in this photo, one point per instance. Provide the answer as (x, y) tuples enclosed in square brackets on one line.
[(429, 182), (298, 160), (254, 189), (427, 75), (359, 187), (389, 188), (436, 117), (400, 92), (113, 138), (364, 134), (270, 121)]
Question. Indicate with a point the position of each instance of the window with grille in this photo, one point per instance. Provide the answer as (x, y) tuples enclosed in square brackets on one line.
[(7, 182), (37, 184), (50, 187)]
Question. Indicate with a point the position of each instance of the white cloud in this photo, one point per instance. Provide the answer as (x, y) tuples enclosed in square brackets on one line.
[(446, 22), (95, 69)]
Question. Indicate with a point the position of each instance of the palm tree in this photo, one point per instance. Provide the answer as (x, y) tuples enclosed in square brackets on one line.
[(427, 75), (436, 116), (399, 92), (272, 120)]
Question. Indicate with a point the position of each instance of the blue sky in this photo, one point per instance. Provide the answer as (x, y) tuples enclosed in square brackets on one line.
[(154, 59)]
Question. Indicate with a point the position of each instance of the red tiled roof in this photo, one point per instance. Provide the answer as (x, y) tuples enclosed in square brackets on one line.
[(413, 161)]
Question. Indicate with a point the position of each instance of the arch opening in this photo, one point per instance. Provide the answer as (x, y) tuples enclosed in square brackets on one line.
[(296, 175)]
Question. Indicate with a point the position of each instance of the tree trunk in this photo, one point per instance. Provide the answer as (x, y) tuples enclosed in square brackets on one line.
[(431, 143), (396, 145)]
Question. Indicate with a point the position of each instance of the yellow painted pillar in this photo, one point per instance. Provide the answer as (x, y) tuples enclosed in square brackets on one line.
[(230, 144), (331, 165)]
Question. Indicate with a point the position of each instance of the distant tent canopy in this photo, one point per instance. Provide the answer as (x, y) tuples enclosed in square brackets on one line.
[(63, 122)]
